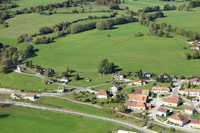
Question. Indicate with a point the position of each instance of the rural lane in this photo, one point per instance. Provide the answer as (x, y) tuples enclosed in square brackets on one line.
[(27, 105)]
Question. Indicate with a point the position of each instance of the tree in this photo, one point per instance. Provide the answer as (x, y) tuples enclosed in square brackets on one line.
[(104, 25), (187, 56), (195, 54), (105, 67), (122, 108), (77, 77)]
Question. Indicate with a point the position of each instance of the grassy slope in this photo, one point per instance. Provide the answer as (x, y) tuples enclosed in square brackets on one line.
[(182, 19), (149, 53), (30, 120), (19, 81)]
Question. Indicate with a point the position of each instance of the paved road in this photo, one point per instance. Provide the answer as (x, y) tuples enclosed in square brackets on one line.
[(27, 105)]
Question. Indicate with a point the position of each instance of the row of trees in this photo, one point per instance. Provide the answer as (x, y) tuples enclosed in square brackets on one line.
[(149, 9), (112, 4), (164, 28), (194, 4)]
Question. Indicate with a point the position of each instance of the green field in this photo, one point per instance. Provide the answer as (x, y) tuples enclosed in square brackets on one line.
[(149, 53), (19, 82), (30, 120), (182, 19)]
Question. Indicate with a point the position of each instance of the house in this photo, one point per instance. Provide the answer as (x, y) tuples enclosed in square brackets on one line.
[(192, 92), (137, 97), (147, 75), (195, 100), (69, 89), (163, 112), (195, 123), (194, 81), (148, 105), (172, 101), (174, 78), (142, 91), (31, 97), (21, 68), (160, 89), (190, 110), (15, 96), (140, 82), (164, 75), (119, 77), (102, 94), (61, 89), (88, 80), (64, 79), (195, 47), (135, 105), (178, 119), (114, 88)]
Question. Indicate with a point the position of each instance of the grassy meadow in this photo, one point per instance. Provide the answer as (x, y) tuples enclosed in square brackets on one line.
[(30, 120), (188, 20)]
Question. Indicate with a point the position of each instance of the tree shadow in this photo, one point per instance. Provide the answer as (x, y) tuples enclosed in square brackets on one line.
[(3, 116), (116, 69)]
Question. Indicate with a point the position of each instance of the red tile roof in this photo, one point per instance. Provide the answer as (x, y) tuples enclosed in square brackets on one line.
[(30, 95), (192, 90), (180, 117), (189, 108), (137, 97), (172, 99), (135, 104), (194, 80), (195, 121), (161, 88), (163, 110), (102, 92), (142, 91)]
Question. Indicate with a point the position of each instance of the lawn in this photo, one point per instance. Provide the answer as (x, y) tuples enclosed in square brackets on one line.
[(19, 81), (30, 120), (183, 19)]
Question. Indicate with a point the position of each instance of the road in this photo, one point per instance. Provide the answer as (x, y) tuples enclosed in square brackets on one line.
[(27, 105)]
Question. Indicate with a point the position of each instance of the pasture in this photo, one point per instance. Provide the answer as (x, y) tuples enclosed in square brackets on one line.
[(30, 120), (188, 20)]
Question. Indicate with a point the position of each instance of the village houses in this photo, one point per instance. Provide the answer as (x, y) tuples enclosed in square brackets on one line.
[(60, 89), (119, 77), (135, 105), (114, 89), (31, 97), (164, 75), (21, 68), (189, 110), (172, 101), (178, 119), (102, 94), (64, 80), (142, 91), (192, 92), (140, 82), (163, 112), (15, 96), (160, 89), (194, 81), (136, 97), (195, 47), (195, 123), (147, 75)]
